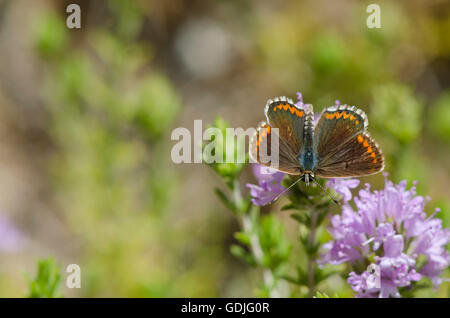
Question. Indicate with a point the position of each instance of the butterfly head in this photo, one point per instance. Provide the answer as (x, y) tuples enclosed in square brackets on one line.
[(307, 176)]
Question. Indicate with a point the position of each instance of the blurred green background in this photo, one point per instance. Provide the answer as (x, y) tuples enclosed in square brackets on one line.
[(86, 116)]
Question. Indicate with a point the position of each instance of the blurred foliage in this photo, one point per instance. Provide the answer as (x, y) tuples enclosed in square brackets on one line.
[(263, 240), (52, 39), (274, 243), (47, 282), (391, 103), (323, 295), (215, 151), (108, 118), (309, 207), (439, 123), (397, 116)]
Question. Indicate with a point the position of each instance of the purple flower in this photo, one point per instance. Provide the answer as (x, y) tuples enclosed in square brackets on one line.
[(269, 184), (10, 238), (299, 99), (301, 104), (389, 230), (343, 186)]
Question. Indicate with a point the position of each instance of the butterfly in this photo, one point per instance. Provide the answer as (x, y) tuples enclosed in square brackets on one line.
[(337, 146)]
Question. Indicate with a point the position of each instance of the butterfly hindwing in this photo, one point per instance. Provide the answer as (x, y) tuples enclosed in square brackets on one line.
[(343, 146)]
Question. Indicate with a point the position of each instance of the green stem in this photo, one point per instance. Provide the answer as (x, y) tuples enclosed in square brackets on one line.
[(258, 254), (255, 244), (237, 196), (311, 256)]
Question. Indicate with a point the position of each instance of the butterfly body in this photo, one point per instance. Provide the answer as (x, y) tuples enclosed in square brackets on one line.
[(307, 160), (338, 145)]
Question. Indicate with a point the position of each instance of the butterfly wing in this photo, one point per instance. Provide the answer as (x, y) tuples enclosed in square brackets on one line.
[(261, 145), (343, 146), (288, 120)]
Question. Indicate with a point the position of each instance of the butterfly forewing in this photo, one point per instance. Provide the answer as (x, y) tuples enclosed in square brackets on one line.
[(289, 118), (344, 148), (286, 124), (261, 145)]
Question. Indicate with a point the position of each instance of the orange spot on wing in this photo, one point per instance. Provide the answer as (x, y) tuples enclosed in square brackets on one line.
[(275, 109), (374, 161), (292, 109), (299, 113), (356, 122), (285, 107), (369, 150), (338, 115), (373, 154), (352, 117), (360, 139), (329, 116), (280, 106), (365, 144), (345, 115)]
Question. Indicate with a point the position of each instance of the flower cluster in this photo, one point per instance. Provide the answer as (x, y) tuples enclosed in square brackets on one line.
[(269, 185), (385, 236), (389, 230), (343, 186)]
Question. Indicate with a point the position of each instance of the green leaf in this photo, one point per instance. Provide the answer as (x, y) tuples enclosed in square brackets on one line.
[(320, 275), (293, 206), (290, 279), (231, 170), (301, 218), (274, 242), (321, 215), (321, 295), (239, 252), (302, 276), (46, 284), (242, 238)]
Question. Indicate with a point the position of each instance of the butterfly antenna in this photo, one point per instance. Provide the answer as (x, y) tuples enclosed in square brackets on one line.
[(329, 194), (285, 191)]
